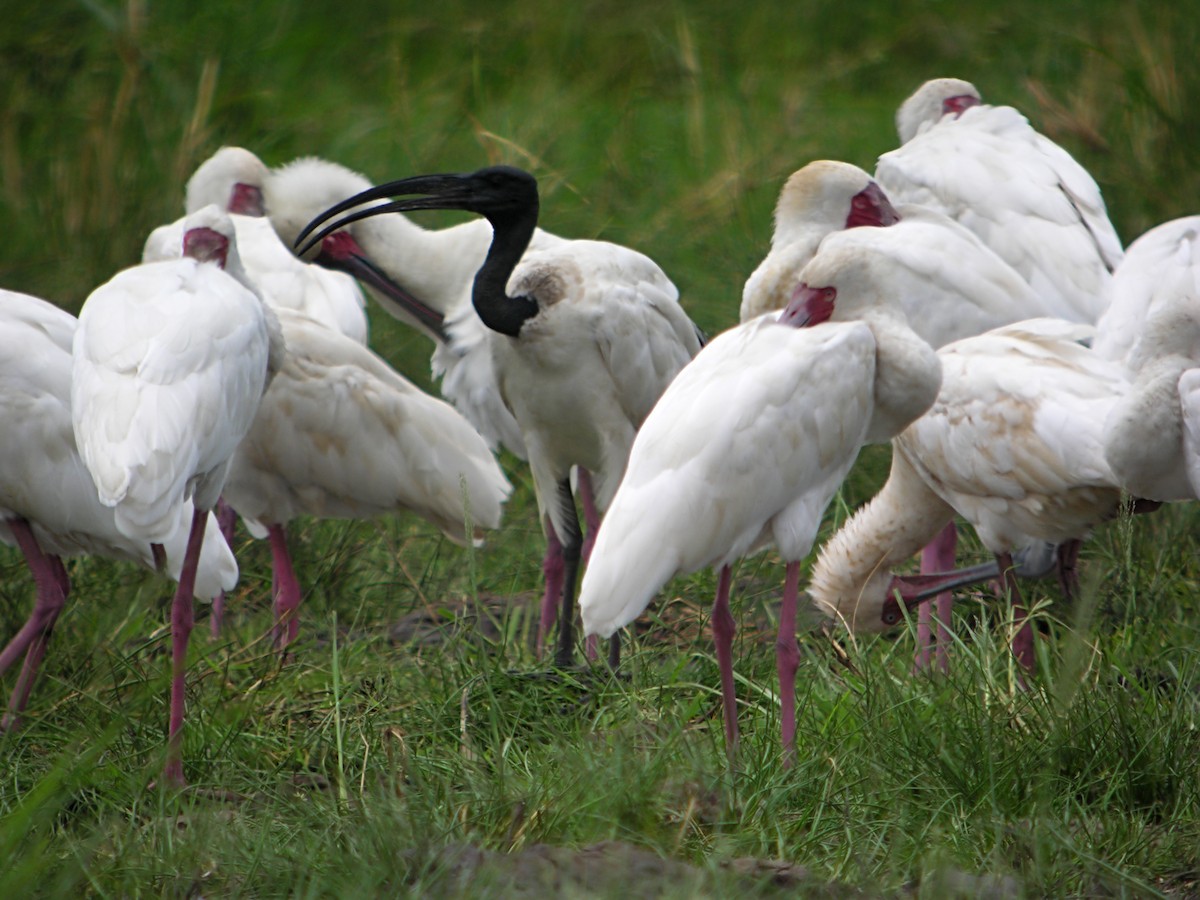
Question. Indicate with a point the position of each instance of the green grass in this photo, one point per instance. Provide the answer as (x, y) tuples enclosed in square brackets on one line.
[(360, 766)]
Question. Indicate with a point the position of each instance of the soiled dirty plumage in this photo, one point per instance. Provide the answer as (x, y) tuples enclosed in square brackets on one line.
[(339, 433), (1014, 444)]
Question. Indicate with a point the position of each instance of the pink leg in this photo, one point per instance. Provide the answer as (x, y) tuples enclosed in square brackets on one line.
[(938, 556), (787, 660), (52, 587), (286, 589), (591, 515), (181, 629), (722, 629), (554, 569)]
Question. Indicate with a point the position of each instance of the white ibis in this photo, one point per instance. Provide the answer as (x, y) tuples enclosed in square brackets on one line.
[(339, 433), (1021, 193), (48, 504), (748, 445), (1013, 444), (585, 336), (233, 179), (170, 361)]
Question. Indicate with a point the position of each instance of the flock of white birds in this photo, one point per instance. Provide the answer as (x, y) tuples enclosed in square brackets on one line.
[(971, 304)]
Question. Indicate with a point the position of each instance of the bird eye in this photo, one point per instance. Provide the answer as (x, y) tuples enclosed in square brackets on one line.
[(828, 294), (891, 615)]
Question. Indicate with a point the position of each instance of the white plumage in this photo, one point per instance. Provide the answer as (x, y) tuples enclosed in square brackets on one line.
[(170, 360), (1021, 193), (433, 267), (48, 504), (340, 434), (1014, 444), (233, 180), (750, 442), (1154, 330)]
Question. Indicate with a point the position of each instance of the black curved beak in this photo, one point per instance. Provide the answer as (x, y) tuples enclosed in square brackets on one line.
[(394, 298), (444, 192)]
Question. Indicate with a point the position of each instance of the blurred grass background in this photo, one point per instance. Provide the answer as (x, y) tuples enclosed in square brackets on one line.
[(669, 127)]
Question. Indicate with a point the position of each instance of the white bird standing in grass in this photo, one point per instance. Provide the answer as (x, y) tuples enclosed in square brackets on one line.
[(584, 338), (1014, 444), (48, 503), (340, 434), (170, 362), (748, 445), (1021, 193)]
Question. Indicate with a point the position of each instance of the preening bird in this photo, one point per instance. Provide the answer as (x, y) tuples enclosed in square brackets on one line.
[(420, 276), (584, 335), (822, 197), (750, 442), (233, 179), (340, 434), (1152, 435), (1021, 193), (170, 360), (1014, 444), (48, 503)]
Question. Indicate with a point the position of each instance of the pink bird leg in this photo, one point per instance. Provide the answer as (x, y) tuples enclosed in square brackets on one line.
[(286, 589), (52, 584), (722, 629), (182, 618), (938, 556), (787, 660)]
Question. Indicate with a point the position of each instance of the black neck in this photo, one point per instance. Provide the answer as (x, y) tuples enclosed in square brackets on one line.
[(510, 238)]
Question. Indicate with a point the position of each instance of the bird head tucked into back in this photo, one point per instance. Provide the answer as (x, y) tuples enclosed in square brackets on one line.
[(933, 100)]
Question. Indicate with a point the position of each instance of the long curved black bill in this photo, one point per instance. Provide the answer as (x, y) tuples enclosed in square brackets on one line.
[(447, 191), (395, 299)]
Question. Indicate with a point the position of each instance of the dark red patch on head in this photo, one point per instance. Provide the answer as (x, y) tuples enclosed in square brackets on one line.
[(959, 104), (809, 306), (206, 245), (339, 247), (871, 207), (246, 200)]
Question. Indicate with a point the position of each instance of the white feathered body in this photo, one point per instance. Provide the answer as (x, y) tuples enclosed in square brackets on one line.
[(285, 282), (584, 372), (170, 360), (746, 447), (43, 479), (339, 433), (1015, 440), (1023, 195)]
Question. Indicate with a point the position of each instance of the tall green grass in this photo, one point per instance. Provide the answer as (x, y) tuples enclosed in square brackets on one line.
[(400, 732)]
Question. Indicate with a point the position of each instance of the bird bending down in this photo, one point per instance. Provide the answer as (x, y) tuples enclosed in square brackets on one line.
[(1021, 193), (748, 445), (48, 504), (1152, 435), (1013, 444), (339, 433), (170, 360), (584, 335)]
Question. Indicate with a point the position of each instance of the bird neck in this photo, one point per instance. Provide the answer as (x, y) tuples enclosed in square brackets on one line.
[(500, 312), (908, 376), (901, 519)]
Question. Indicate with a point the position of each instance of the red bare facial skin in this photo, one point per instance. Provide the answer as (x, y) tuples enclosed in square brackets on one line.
[(871, 207), (206, 245), (958, 105), (246, 200), (339, 247), (809, 306)]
